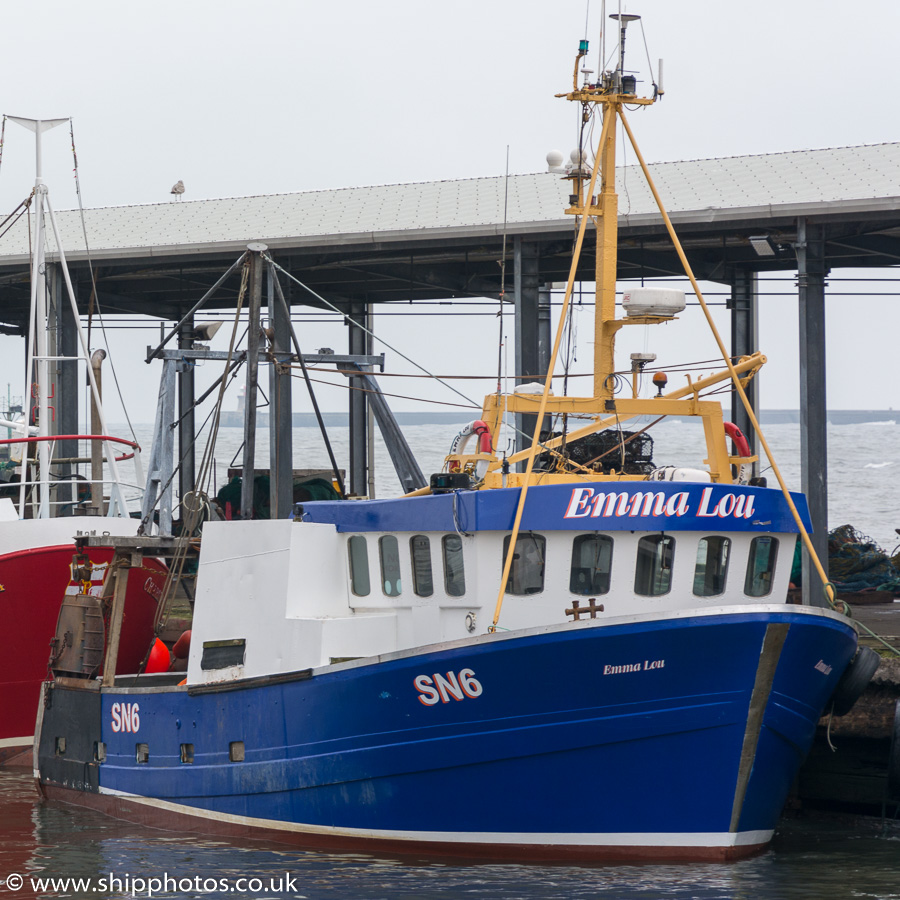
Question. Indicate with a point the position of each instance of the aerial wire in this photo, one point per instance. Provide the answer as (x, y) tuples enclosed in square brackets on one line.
[(380, 340), (94, 299), (503, 273)]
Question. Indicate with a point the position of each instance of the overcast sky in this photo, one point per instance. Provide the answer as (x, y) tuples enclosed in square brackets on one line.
[(281, 95)]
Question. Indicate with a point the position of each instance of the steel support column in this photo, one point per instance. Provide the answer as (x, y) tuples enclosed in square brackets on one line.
[(544, 329), (744, 341), (248, 472), (356, 341), (527, 302), (281, 466), (160, 467), (66, 399), (186, 423), (811, 273)]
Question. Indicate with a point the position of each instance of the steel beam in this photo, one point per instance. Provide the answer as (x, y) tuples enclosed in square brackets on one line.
[(160, 466), (811, 273), (311, 359), (248, 472), (527, 300), (186, 422), (744, 341), (544, 329), (281, 467), (356, 340), (405, 465), (66, 400)]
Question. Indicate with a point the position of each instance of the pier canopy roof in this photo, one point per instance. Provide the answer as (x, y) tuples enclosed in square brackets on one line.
[(443, 239)]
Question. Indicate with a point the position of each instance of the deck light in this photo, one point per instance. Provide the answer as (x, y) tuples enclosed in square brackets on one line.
[(762, 244), (205, 331)]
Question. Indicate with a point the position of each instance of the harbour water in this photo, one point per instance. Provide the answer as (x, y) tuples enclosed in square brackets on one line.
[(811, 856)]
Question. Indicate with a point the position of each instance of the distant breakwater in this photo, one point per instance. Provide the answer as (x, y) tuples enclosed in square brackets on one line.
[(235, 419)]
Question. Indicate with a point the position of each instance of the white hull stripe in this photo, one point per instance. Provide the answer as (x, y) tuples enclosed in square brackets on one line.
[(26, 741), (614, 839)]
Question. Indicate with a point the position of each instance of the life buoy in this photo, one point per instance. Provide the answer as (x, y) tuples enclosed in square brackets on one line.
[(741, 444), (460, 445), (740, 474)]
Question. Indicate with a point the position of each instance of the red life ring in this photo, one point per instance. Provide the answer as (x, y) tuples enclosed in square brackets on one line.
[(741, 444), (460, 444), (478, 428)]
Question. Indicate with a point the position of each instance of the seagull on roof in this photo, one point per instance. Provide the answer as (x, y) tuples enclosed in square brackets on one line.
[(177, 189)]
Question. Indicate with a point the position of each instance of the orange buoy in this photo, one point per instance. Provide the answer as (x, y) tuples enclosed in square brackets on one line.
[(158, 661), (182, 646)]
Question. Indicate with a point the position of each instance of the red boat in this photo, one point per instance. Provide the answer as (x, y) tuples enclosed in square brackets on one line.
[(34, 577), (36, 533)]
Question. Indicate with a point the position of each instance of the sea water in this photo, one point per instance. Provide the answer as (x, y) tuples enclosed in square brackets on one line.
[(863, 462), (79, 853), (810, 857)]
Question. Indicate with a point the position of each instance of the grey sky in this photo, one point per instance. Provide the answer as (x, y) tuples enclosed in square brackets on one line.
[(281, 96)]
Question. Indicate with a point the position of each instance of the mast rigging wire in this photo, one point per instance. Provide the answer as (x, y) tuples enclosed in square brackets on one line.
[(502, 275), (312, 396), (374, 336)]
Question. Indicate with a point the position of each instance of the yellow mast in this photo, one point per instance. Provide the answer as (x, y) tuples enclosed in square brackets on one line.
[(606, 220), (612, 92), (605, 216)]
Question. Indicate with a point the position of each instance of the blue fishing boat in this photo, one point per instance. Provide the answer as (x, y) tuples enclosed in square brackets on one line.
[(585, 657)]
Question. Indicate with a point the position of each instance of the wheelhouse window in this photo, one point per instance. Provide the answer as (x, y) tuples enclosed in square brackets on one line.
[(389, 551), (761, 566), (711, 569), (526, 576), (454, 570), (653, 574), (359, 565), (591, 564), (420, 554)]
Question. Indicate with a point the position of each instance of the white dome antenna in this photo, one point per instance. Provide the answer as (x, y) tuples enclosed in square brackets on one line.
[(555, 162)]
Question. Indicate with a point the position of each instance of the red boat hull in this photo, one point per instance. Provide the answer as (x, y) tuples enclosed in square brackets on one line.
[(32, 585)]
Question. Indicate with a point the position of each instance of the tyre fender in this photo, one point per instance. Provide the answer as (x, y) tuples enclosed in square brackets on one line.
[(854, 680)]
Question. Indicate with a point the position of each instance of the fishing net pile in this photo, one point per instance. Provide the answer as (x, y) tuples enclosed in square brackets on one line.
[(229, 497), (628, 452), (857, 563)]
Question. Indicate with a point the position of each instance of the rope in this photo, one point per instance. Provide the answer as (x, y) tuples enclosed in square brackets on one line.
[(330, 305), (502, 276), (554, 353), (871, 633), (190, 518), (94, 299), (312, 396), (350, 387), (24, 206), (739, 388)]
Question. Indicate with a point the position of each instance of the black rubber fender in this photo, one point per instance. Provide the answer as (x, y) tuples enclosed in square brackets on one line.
[(854, 680)]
